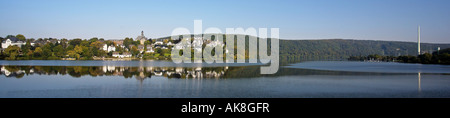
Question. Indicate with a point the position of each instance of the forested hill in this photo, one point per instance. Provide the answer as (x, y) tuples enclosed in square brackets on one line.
[(340, 49)]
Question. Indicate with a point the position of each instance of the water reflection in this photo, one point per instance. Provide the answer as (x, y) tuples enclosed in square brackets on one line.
[(214, 82), (419, 87), (140, 73)]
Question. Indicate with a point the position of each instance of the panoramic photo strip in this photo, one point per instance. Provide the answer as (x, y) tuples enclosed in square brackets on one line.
[(212, 58)]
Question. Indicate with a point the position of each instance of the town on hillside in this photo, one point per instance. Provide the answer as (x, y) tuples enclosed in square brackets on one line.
[(20, 48)]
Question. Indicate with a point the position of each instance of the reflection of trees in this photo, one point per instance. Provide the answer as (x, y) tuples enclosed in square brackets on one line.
[(254, 71), (140, 73)]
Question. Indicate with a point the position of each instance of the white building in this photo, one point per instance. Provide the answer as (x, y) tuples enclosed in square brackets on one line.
[(178, 46), (109, 48), (149, 49), (124, 55), (159, 43), (14, 41)]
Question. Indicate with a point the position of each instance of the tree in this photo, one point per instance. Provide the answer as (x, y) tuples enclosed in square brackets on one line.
[(21, 37), (37, 52), (158, 50), (97, 44), (134, 51), (127, 42), (78, 49), (148, 42), (26, 47), (12, 52), (425, 58), (29, 54), (59, 51), (9, 36), (75, 42), (47, 50), (85, 43), (73, 54), (93, 39)]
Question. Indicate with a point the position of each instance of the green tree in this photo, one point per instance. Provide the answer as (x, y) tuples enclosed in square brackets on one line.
[(59, 51), (78, 49), (38, 52), (73, 54), (148, 42), (29, 54), (47, 50), (85, 43), (158, 50), (21, 37), (127, 42), (425, 58), (134, 51), (26, 47), (9, 36), (97, 44), (12, 52), (93, 39), (75, 42)]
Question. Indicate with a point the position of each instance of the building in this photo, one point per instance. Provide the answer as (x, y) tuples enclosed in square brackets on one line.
[(117, 42), (124, 55), (170, 44), (159, 43), (141, 38), (109, 48), (141, 48), (116, 54), (149, 49), (13, 41)]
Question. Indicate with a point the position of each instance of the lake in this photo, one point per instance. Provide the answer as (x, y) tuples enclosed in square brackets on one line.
[(164, 79)]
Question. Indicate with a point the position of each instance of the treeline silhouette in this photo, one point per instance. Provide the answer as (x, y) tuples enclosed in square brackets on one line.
[(437, 57)]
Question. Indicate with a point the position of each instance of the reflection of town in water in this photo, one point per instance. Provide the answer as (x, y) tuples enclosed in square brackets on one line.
[(139, 73)]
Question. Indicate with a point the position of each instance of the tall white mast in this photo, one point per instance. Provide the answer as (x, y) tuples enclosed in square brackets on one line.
[(418, 40)]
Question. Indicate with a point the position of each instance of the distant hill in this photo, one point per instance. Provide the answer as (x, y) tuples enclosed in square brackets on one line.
[(340, 49)]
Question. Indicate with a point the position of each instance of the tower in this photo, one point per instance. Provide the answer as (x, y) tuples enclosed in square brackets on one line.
[(439, 49), (418, 40)]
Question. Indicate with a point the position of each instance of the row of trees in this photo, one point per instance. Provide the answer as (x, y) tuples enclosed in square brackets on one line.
[(437, 57), (55, 49)]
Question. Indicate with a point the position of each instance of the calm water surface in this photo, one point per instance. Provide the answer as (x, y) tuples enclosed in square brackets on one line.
[(162, 79)]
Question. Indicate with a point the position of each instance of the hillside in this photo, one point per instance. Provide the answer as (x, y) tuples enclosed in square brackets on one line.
[(339, 49), (342, 49)]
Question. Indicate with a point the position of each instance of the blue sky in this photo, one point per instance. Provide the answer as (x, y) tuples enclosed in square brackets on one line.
[(297, 19)]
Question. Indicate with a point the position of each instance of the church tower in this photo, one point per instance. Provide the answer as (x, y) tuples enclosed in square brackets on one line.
[(141, 38)]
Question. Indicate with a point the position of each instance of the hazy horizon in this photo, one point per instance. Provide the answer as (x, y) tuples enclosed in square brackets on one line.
[(298, 20)]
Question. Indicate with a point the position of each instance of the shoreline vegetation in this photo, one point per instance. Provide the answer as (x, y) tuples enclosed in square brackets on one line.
[(141, 48), (437, 57), (20, 48)]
